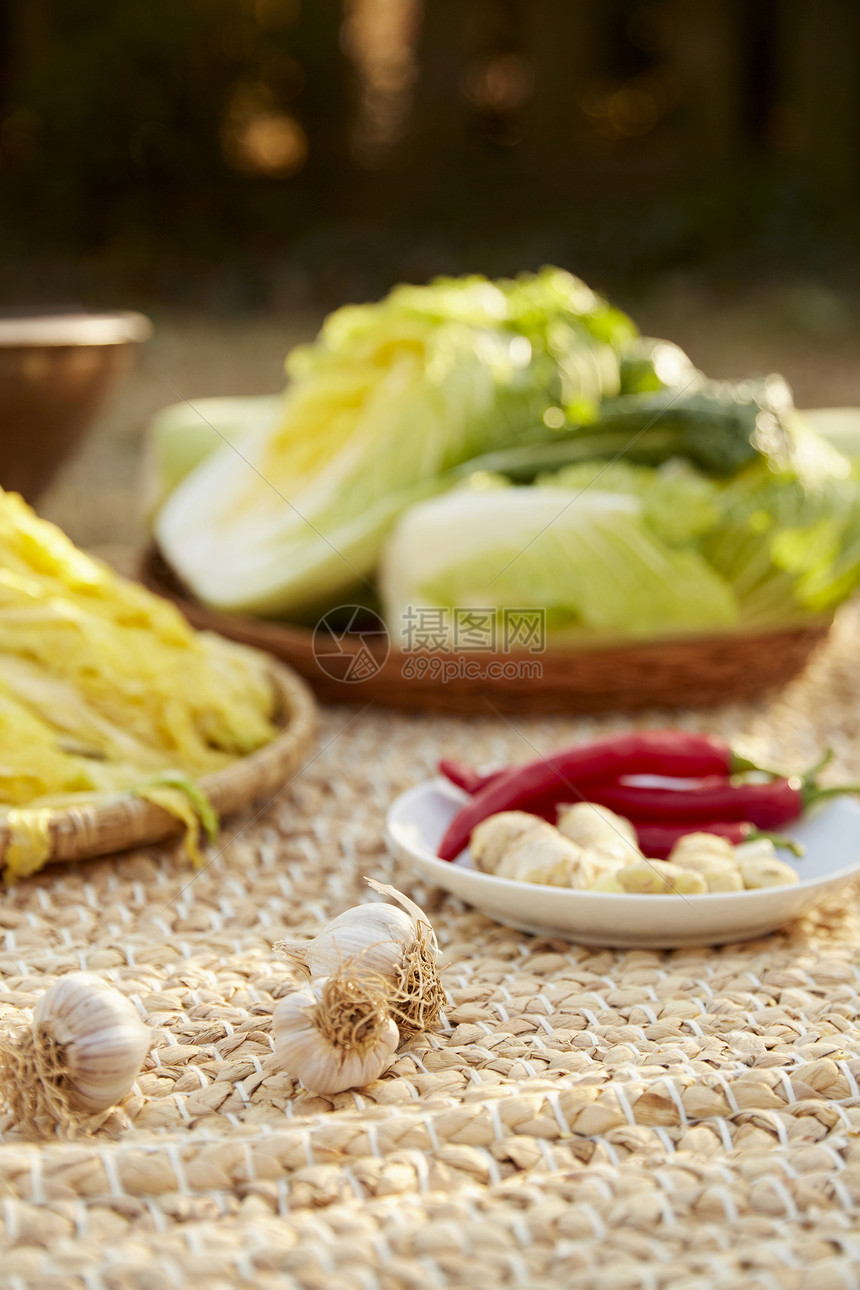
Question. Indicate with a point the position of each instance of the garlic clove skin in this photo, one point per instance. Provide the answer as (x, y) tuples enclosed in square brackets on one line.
[(107, 1063), (371, 936), (99, 1036), (307, 1045)]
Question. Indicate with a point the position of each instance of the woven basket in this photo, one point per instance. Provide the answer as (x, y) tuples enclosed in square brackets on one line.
[(125, 821), (680, 673)]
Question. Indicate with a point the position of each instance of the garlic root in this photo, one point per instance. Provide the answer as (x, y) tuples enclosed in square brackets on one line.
[(418, 996), (335, 1033), (34, 1084)]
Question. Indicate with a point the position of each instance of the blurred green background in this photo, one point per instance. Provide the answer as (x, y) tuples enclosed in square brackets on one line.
[(238, 167)]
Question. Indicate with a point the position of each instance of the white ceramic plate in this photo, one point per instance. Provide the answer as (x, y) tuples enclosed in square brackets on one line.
[(418, 818)]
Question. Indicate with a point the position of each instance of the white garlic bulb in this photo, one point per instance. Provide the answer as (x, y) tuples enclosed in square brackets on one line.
[(334, 1034), (370, 938), (102, 1038), (81, 1055), (379, 943)]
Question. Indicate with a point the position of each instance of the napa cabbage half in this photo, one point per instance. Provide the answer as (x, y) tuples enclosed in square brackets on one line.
[(388, 400), (613, 550), (588, 560)]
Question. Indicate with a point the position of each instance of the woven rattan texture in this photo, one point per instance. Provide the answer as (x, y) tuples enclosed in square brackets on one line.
[(591, 1118)]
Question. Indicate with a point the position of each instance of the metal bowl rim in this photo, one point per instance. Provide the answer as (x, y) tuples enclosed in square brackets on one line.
[(73, 330)]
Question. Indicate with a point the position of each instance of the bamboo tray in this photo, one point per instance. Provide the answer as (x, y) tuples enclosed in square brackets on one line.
[(679, 673), (123, 821)]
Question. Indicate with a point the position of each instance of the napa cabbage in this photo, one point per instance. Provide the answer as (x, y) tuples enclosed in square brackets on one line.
[(378, 411), (587, 560)]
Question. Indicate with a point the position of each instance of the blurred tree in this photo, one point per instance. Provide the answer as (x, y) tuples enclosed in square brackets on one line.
[(164, 137), (128, 110)]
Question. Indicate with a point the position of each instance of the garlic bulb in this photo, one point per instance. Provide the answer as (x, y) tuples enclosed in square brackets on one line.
[(335, 1034), (379, 942), (81, 1055), (368, 938)]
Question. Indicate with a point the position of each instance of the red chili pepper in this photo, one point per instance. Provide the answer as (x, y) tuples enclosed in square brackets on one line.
[(671, 753), (695, 757), (657, 840), (767, 806), (465, 776)]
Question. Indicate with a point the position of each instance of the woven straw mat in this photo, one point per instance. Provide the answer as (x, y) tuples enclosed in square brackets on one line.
[(611, 1120)]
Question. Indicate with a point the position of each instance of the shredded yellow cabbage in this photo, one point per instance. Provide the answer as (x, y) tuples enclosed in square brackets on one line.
[(105, 688), (176, 803), (29, 843)]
